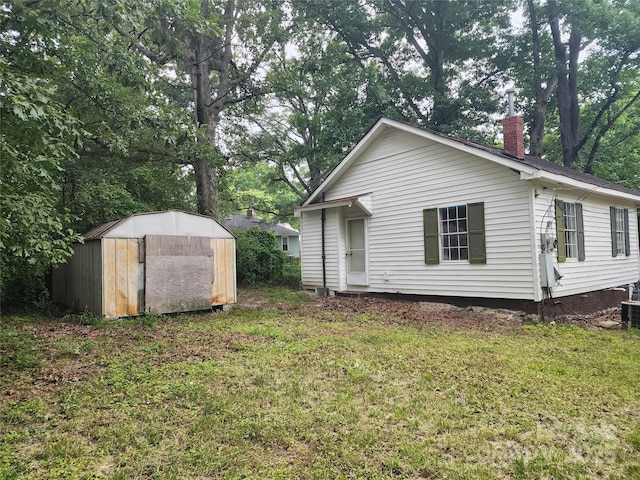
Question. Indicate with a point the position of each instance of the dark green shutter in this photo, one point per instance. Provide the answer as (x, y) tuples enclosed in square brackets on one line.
[(627, 239), (580, 232), (475, 222), (614, 240), (562, 245), (431, 240)]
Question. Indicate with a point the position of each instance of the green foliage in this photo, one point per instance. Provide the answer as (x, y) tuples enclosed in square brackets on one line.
[(291, 273), (119, 187), (317, 114), (259, 260), (256, 185), (595, 93), (36, 137)]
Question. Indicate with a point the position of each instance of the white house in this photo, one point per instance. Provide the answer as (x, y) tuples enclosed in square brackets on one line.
[(288, 237), (414, 212)]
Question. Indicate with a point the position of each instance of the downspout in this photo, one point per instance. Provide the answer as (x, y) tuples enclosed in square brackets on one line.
[(324, 257)]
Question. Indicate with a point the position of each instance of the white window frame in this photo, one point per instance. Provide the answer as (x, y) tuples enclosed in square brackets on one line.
[(454, 233), (620, 232), (570, 230), (285, 244)]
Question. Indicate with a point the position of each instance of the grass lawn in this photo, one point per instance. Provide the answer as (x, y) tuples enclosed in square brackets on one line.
[(301, 387)]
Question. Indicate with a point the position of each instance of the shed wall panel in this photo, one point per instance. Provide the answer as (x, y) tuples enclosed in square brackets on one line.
[(77, 284), (178, 273)]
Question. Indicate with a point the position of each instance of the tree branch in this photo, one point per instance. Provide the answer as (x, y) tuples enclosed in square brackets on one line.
[(159, 59)]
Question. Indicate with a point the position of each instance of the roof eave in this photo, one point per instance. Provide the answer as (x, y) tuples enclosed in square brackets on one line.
[(588, 187), (526, 171), (384, 123)]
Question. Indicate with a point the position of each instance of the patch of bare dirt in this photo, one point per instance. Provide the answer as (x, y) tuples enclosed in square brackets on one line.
[(423, 313), (395, 312), (426, 313)]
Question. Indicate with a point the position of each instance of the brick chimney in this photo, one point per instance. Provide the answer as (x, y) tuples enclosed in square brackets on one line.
[(513, 131)]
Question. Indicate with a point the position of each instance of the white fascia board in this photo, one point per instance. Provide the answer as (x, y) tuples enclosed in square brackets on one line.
[(589, 187)]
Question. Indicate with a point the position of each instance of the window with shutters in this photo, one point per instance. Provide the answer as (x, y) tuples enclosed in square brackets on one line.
[(620, 241), (454, 234), (570, 230)]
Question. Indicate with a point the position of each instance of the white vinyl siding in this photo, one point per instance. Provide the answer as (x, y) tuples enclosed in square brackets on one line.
[(599, 270), (407, 174), (311, 249)]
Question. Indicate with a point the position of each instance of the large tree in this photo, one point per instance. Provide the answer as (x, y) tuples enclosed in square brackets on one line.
[(442, 61), (218, 48), (130, 159), (37, 136), (322, 102), (595, 48)]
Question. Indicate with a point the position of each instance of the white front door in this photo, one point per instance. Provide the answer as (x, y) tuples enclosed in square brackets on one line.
[(356, 252)]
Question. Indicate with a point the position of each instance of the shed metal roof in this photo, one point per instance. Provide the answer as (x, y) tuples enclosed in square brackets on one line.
[(168, 222)]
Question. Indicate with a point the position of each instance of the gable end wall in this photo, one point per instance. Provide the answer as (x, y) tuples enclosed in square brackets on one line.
[(407, 174)]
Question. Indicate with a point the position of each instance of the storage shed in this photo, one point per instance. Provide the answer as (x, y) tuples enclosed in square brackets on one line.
[(163, 262)]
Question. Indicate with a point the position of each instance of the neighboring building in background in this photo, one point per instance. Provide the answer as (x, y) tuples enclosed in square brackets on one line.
[(415, 212), (288, 237)]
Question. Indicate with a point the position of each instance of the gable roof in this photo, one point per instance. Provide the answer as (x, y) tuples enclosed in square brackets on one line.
[(246, 222), (529, 167)]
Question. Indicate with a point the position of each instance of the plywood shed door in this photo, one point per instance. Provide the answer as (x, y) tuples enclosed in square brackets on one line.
[(178, 273), (224, 287), (121, 279)]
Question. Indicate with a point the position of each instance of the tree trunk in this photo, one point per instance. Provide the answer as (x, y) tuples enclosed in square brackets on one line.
[(206, 188), (542, 95), (567, 92), (205, 172)]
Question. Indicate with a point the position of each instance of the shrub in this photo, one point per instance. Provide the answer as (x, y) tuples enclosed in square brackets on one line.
[(259, 260), (291, 274)]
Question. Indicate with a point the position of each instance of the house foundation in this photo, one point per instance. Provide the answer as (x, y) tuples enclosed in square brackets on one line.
[(549, 309)]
